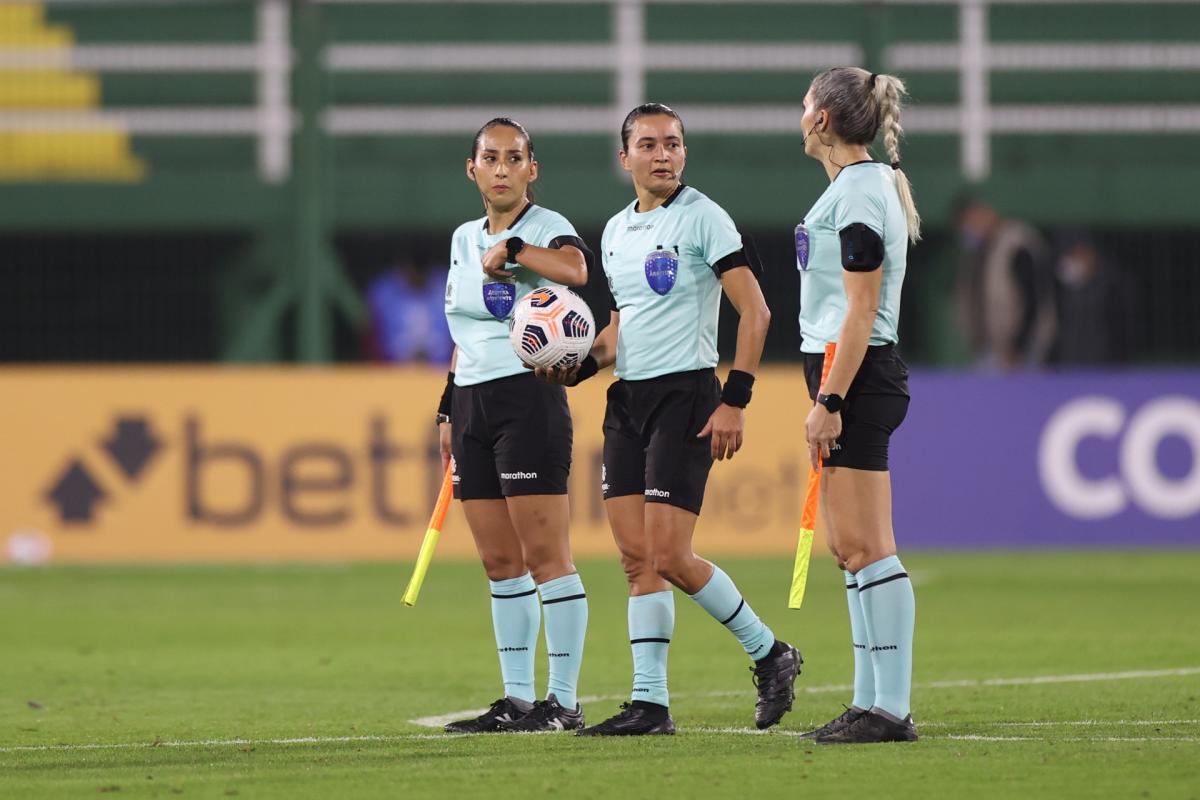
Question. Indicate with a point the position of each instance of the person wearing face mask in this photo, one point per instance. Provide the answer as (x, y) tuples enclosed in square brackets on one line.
[(508, 435), (668, 256), (1093, 312), (1006, 295)]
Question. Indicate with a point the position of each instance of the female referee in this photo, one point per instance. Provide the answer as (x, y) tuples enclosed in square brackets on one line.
[(667, 256), (851, 250), (510, 434)]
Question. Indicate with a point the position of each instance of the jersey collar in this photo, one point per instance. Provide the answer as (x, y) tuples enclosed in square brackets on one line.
[(633, 206), (674, 194), (513, 224), (855, 164)]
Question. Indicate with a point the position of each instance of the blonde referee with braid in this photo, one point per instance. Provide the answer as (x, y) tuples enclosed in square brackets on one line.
[(851, 250)]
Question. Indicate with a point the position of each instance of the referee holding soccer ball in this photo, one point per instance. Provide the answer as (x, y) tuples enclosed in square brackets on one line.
[(510, 434)]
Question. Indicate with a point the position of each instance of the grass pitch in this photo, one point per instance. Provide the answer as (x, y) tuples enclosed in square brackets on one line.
[(1039, 675)]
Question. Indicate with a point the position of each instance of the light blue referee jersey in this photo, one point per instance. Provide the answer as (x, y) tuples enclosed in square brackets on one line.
[(660, 271), (484, 351), (864, 192)]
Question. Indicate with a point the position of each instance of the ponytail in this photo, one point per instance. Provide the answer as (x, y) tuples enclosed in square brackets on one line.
[(888, 93)]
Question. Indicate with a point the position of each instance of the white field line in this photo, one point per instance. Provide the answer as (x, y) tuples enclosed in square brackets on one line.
[(975, 738), (443, 737), (1091, 722), (36, 748), (439, 720), (968, 737)]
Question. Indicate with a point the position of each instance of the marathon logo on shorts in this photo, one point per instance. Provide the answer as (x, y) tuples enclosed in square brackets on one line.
[(518, 476), (658, 493)]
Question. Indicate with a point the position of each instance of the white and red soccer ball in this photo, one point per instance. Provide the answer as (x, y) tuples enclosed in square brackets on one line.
[(552, 327)]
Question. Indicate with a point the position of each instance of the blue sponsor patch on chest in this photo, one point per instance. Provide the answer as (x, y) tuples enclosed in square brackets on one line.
[(499, 298), (662, 268), (803, 245)]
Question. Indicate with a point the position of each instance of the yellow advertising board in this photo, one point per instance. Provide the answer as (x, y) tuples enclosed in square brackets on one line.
[(172, 464)]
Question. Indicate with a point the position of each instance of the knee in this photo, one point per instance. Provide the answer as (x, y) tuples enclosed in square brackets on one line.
[(637, 569), (670, 567), (855, 559), (502, 567), (547, 563)]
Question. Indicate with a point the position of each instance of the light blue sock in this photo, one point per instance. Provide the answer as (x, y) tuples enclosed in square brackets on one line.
[(890, 612), (864, 670), (722, 600), (516, 618), (566, 609), (651, 623)]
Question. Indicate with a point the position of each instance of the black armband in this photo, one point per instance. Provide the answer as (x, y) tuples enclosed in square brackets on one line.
[(559, 242), (862, 248), (587, 368), (447, 395), (738, 388), (747, 256)]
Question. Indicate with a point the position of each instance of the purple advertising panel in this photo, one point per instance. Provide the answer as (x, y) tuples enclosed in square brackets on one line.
[(1079, 459)]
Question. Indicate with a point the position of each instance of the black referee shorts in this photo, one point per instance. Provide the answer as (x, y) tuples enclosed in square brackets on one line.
[(875, 406), (650, 444), (510, 437)]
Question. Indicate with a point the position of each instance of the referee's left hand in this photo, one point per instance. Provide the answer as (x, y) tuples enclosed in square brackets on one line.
[(495, 259), (725, 426), (821, 430)]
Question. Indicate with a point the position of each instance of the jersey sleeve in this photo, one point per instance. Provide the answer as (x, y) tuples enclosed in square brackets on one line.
[(452, 271), (863, 207), (557, 232), (717, 235), (551, 226), (601, 276)]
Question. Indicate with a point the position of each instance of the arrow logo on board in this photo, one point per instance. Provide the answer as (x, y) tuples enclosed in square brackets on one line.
[(132, 445), (76, 493)]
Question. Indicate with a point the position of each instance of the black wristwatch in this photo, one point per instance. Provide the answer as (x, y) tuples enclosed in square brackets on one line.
[(440, 418), (514, 245), (833, 402)]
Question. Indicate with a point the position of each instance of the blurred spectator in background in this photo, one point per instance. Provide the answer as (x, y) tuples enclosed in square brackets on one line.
[(1092, 309), (1006, 305), (408, 324)]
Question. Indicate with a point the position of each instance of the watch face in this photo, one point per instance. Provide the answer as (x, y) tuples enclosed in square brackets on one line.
[(832, 403)]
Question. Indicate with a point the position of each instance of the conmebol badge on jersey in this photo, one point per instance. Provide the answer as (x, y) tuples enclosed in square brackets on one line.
[(802, 246), (499, 297), (662, 267)]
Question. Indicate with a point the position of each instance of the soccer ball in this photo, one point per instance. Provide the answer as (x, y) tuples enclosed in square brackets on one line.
[(552, 327)]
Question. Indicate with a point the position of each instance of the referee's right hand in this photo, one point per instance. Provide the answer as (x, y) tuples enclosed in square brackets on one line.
[(559, 375), (726, 426)]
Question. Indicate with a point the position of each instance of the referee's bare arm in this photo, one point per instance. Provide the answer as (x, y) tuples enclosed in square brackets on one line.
[(604, 349), (727, 424), (743, 290)]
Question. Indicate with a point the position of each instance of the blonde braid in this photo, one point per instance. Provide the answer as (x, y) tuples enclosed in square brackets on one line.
[(889, 94)]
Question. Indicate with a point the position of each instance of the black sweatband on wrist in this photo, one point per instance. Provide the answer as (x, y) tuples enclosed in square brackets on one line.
[(447, 395), (587, 368), (739, 386)]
